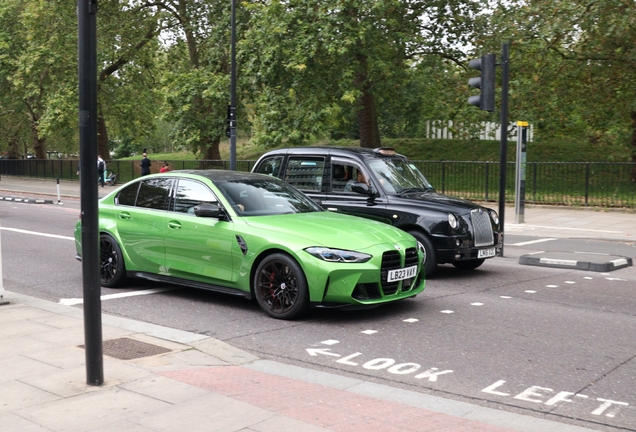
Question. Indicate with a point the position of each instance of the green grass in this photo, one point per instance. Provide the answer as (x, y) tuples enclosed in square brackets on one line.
[(440, 150)]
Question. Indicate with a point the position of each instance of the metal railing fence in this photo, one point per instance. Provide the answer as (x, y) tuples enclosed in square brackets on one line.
[(601, 184)]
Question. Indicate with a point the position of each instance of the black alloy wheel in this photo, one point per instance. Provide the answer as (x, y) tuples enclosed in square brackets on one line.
[(280, 287), (112, 272)]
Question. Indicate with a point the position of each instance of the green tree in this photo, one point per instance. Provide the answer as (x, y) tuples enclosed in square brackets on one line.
[(195, 83), (332, 66), (573, 67)]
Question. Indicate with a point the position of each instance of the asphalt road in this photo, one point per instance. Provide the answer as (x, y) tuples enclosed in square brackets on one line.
[(554, 343)]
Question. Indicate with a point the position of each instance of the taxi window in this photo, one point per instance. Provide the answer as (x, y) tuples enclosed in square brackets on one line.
[(271, 166), (305, 173)]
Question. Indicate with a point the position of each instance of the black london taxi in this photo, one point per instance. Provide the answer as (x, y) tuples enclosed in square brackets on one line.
[(383, 185)]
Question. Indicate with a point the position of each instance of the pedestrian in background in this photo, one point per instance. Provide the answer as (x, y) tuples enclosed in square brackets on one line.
[(145, 165), (101, 167), (165, 167)]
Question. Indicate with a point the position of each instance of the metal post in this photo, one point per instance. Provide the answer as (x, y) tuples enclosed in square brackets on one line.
[(232, 107), (505, 66), (520, 180), (87, 71)]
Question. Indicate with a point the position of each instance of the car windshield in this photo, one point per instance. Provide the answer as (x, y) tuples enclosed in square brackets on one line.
[(398, 175), (267, 196)]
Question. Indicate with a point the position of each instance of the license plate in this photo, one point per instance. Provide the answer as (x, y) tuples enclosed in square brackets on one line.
[(401, 274), (486, 253)]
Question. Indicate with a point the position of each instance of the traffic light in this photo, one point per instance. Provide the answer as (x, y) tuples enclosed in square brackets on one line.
[(486, 82)]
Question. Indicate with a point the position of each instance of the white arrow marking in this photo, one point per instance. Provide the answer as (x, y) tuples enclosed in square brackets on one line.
[(326, 351)]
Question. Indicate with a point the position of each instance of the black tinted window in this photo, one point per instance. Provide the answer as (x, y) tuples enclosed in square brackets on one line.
[(153, 193), (190, 193), (128, 195)]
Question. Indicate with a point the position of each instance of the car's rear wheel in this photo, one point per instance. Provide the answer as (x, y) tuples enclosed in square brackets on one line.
[(430, 261), (469, 265), (112, 272), (280, 287)]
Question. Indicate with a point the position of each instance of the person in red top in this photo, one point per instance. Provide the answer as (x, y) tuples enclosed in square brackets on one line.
[(165, 167)]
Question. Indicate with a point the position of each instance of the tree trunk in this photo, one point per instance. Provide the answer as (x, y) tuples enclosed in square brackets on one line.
[(39, 144), (368, 122), (367, 115)]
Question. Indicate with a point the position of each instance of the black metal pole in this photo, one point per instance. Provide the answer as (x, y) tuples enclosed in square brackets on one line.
[(87, 74), (503, 161), (232, 110)]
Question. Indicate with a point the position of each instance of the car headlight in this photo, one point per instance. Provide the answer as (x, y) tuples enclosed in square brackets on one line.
[(452, 221), (494, 216), (338, 255)]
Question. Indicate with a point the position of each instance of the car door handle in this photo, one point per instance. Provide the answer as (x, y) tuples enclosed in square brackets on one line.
[(174, 225), (124, 215)]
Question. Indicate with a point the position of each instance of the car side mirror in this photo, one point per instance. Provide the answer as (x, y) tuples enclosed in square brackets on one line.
[(210, 211)]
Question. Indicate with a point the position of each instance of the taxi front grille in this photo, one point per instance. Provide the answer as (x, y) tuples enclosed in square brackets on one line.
[(482, 227)]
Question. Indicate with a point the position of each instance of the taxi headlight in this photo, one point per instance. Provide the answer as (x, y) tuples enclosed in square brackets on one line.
[(452, 221), (338, 255), (494, 216)]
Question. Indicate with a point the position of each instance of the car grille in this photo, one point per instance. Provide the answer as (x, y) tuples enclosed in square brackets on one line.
[(393, 260), (482, 227)]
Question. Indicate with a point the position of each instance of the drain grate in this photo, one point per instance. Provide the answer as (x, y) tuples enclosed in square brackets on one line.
[(128, 349)]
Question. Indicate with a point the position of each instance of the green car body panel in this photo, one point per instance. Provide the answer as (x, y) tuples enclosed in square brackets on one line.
[(223, 253)]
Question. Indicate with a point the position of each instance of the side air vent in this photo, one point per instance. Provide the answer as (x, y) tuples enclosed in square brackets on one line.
[(242, 244)]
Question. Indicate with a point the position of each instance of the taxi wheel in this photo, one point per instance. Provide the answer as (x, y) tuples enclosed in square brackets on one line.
[(280, 287), (469, 265), (112, 271), (430, 261)]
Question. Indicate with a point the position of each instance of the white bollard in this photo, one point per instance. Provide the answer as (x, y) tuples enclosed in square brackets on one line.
[(2, 300), (58, 191)]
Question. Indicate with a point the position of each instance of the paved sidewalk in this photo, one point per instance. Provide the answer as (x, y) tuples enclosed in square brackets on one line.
[(163, 379)]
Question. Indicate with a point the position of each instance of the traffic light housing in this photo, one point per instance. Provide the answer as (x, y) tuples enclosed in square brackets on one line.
[(486, 82)]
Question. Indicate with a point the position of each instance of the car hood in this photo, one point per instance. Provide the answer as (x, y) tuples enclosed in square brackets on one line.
[(330, 229), (437, 201)]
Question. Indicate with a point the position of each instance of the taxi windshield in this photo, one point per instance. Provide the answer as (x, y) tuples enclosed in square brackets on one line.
[(397, 176)]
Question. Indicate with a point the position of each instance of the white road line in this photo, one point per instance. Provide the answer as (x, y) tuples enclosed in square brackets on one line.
[(566, 228), (76, 301), (532, 242), (37, 233)]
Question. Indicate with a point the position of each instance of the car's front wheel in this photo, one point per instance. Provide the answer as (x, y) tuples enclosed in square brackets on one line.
[(430, 261), (280, 287), (112, 270)]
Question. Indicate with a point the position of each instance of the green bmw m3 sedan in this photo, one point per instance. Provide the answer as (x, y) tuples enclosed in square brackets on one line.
[(251, 235)]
